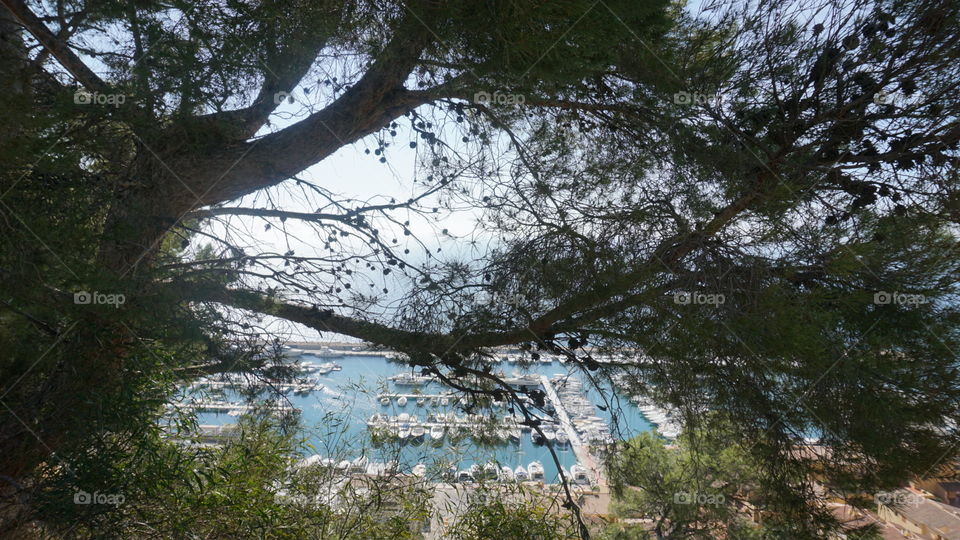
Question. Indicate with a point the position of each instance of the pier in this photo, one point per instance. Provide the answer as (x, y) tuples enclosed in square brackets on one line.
[(580, 449)]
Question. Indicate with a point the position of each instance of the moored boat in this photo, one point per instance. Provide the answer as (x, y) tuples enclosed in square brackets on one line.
[(402, 401), (436, 432), (419, 470), (506, 474), (384, 401), (535, 470), (520, 474), (579, 474)]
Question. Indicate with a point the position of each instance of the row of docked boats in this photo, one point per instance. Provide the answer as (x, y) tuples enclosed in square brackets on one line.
[(408, 427), (360, 465), (662, 419), (550, 433), (441, 400), (493, 472), (319, 369), (582, 413)]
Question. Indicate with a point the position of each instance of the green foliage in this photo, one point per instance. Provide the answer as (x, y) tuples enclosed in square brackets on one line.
[(499, 516)]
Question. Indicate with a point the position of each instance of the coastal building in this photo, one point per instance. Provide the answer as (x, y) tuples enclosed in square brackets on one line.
[(917, 517)]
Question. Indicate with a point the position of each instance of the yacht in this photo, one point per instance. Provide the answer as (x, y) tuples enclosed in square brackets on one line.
[(536, 471), (464, 476), (384, 401), (436, 432), (402, 401), (550, 433), (506, 474), (520, 474), (404, 432), (579, 474), (515, 434), (420, 401), (562, 437), (419, 470), (433, 401), (444, 401), (417, 432), (491, 471)]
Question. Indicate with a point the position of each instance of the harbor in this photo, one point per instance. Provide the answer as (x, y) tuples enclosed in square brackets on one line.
[(417, 423)]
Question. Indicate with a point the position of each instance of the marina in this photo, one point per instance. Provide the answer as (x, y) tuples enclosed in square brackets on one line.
[(419, 426)]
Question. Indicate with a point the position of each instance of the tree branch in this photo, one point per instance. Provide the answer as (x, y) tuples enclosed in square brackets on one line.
[(58, 49)]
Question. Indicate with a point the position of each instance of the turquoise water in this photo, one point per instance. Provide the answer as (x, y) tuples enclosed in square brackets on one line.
[(335, 418)]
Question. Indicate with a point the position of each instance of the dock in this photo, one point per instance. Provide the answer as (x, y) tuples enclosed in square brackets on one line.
[(580, 449)]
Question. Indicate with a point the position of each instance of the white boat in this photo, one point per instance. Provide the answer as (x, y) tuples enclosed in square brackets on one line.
[(579, 473), (434, 401), (417, 432), (550, 433), (491, 471), (444, 401), (358, 465), (402, 401), (419, 470), (515, 434), (562, 437), (421, 401), (343, 465), (464, 476), (325, 352), (404, 417), (536, 471), (520, 474), (384, 401), (436, 432), (506, 474), (404, 432)]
